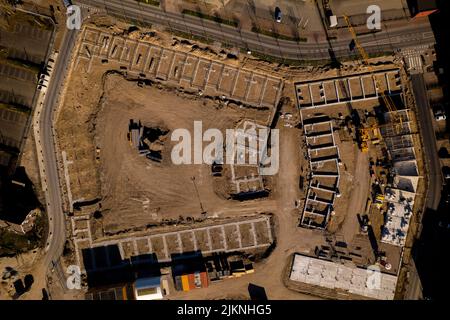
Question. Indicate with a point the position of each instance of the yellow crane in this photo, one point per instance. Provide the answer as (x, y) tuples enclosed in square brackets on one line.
[(396, 119), (6, 7)]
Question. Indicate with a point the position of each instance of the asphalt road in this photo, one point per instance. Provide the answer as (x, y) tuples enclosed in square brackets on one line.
[(429, 141), (409, 35), (56, 215)]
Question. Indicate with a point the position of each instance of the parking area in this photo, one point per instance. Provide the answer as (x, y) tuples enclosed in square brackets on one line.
[(23, 44)]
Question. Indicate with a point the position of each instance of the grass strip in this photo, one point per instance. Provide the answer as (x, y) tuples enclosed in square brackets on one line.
[(277, 35), (212, 18), (192, 37)]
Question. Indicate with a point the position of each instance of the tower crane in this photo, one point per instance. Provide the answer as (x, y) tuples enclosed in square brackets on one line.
[(395, 117)]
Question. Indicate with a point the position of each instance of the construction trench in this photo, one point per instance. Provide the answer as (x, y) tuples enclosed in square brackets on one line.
[(388, 136), (207, 213)]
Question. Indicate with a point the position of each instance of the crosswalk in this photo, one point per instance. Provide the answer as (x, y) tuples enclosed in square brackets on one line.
[(413, 58), (415, 62)]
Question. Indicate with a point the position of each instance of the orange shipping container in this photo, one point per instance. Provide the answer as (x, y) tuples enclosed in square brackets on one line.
[(185, 283), (424, 13), (191, 281), (205, 281)]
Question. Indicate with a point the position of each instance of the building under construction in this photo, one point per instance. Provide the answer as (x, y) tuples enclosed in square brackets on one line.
[(340, 273), (247, 148), (401, 192), (324, 161)]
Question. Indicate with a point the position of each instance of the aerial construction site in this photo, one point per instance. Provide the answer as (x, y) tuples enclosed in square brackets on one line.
[(345, 198), (223, 150), (321, 168)]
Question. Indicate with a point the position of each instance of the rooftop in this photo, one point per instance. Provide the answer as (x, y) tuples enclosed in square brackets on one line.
[(400, 206), (148, 288), (334, 276)]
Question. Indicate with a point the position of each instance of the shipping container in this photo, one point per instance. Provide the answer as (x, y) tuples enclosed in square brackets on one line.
[(205, 280), (185, 283)]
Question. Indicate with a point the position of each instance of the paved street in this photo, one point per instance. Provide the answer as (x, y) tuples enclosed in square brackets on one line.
[(429, 141), (411, 34), (57, 219)]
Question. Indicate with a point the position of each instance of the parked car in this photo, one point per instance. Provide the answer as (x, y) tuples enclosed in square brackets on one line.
[(440, 116), (278, 14), (446, 172)]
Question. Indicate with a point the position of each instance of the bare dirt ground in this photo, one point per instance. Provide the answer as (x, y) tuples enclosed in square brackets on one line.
[(359, 191), (29, 161), (25, 264), (352, 173), (290, 238), (135, 191), (130, 179)]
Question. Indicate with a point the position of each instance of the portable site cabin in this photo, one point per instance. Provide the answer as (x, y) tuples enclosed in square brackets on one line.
[(148, 289)]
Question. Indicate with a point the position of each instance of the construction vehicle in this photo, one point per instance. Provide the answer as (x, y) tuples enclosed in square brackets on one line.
[(396, 119), (376, 134), (364, 138), (7, 7), (379, 200), (371, 133)]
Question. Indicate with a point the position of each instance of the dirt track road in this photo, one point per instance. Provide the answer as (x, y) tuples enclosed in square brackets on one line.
[(290, 238), (358, 198)]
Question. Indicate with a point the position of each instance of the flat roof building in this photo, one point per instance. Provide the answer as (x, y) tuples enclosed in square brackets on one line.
[(116, 292), (148, 289), (341, 279)]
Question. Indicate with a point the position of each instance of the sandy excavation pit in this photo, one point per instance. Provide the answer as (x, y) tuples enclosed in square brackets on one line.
[(133, 189), (137, 191)]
